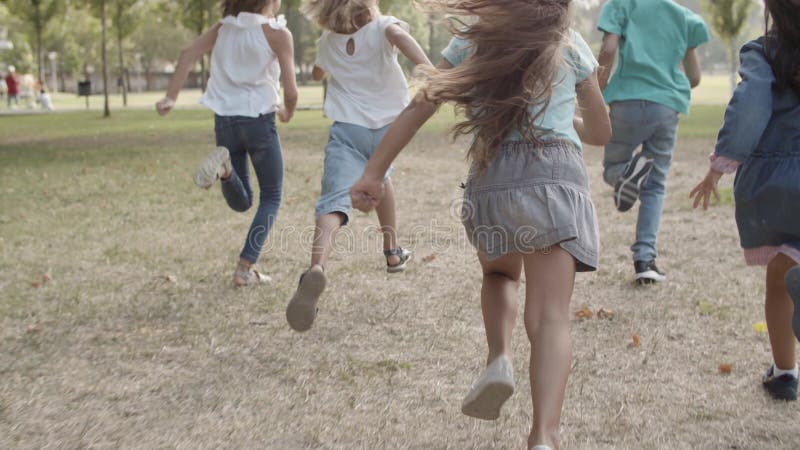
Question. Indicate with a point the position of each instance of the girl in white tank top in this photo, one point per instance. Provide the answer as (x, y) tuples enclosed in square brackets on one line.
[(251, 55), (366, 91)]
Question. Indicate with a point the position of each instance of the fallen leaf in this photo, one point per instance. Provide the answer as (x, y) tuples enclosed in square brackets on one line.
[(636, 341), (35, 328), (171, 278), (584, 313), (605, 314), (36, 283), (760, 327), (429, 258), (46, 277), (725, 369)]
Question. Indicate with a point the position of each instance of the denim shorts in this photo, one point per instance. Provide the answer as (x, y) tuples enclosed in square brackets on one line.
[(346, 155), (529, 199)]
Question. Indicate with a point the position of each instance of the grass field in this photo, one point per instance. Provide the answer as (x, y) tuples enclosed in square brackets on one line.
[(119, 327)]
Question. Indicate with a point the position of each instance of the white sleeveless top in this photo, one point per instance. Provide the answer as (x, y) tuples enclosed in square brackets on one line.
[(245, 74), (367, 88)]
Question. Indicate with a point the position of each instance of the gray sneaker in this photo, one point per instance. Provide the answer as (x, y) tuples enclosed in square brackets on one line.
[(492, 388), (302, 309), (214, 167)]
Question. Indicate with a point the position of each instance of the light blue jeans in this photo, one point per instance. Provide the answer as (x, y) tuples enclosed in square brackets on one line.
[(654, 127)]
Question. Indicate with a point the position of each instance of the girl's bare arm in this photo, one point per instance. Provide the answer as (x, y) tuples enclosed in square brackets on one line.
[(188, 57), (282, 44), (407, 45), (594, 126)]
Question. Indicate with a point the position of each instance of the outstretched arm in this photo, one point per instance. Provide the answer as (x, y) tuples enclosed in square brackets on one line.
[(282, 44), (608, 51), (367, 192), (188, 57)]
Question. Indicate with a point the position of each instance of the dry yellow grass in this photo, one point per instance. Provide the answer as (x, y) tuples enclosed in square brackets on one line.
[(139, 341)]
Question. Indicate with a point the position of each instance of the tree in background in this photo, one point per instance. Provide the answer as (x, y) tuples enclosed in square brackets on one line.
[(37, 14), (157, 39), (126, 19), (100, 10), (729, 19)]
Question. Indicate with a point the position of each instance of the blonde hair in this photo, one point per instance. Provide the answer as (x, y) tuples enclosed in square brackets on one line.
[(516, 53), (341, 16)]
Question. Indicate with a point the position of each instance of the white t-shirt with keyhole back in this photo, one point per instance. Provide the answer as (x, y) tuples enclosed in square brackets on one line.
[(245, 73), (367, 88)]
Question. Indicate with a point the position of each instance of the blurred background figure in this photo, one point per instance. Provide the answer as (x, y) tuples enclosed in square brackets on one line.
[(12, 86)]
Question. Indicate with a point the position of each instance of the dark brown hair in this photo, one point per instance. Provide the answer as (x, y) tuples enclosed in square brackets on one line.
[(341, 16), (783, 41), (234, 7), (516, 48)]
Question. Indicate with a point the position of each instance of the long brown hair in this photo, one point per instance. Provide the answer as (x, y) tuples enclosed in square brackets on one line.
[(783, 41), (516, 50), (341, 16), (234, 7)]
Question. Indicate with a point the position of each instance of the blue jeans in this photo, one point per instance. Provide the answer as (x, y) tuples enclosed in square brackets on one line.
[(654, 127), (256, 138)]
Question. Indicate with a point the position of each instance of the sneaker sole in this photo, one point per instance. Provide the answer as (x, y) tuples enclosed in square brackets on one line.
[(302, 309), (650, 277), (627, 189), (792, 281), (487, 404), (786, 394), (206, 174)]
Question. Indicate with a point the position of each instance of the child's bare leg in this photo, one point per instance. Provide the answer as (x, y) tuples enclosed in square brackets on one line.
[(388, 221), (550, 279), (324, 234), (498, 301), (778, 309)]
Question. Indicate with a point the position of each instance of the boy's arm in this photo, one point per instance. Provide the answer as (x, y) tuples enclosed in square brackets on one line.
[(608, 51), (188, 57), (594, 126), (691, 65), (281, 42), (407, 45)]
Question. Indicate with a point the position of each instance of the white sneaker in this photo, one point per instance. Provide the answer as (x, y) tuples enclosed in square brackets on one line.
[(217, 164), (492, 388)]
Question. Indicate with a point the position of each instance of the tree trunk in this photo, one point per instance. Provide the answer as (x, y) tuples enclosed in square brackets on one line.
[(121, 60), (734, 63), (38, 26), (106, 109), (431, 36)]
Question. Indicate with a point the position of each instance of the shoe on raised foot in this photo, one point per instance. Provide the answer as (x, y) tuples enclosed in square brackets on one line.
[(792, 282), (216, 165), (783, 387), (627, 188), (648, 273), (492, 388), (302, 309)]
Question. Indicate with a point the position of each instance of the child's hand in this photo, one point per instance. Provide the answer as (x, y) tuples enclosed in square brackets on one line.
[(366, 193), (165, 105), (283, 115), (702, 192)]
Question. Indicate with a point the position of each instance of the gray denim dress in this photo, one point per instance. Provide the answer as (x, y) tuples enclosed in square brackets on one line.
[(762, 132), (529, 199)]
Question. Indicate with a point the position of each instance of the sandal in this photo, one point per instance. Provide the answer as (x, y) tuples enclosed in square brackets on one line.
[(248, 276), (400, 252), (302, 309)]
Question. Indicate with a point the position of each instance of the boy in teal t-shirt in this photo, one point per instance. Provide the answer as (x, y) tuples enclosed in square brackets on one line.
[(646, 93)]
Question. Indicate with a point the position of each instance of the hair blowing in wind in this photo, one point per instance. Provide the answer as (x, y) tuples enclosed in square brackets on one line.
[(517, 53)]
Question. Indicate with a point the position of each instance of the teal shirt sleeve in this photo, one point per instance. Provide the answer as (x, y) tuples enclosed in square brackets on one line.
[(698, 30), (457, 51), (581, 57), (613, 18)]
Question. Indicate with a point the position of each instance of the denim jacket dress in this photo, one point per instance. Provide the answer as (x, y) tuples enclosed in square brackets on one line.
[(762, 132)]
